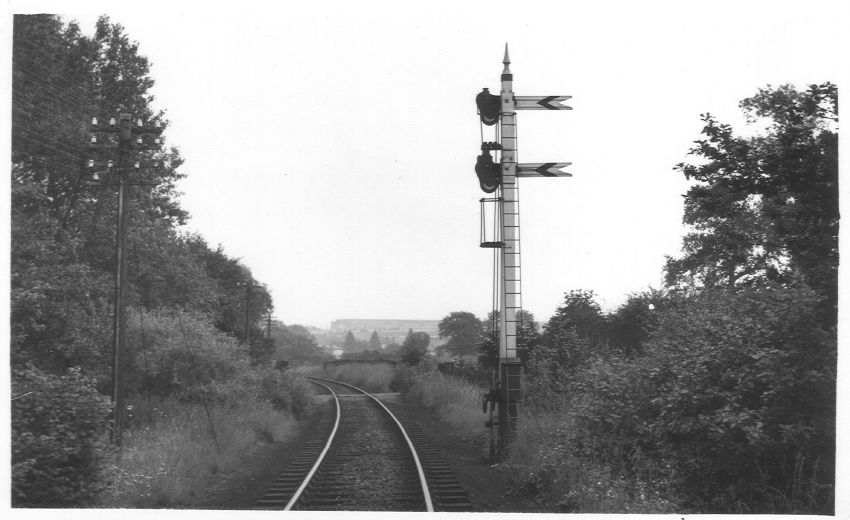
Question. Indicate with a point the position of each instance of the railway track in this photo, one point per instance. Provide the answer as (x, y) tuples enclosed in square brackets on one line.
[(362, 459)]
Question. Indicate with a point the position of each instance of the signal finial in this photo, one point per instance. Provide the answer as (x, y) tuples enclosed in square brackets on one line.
[(506, 61)]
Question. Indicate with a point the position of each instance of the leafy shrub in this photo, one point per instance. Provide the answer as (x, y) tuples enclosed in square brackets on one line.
[(729, 407), (552, 459), (286, 391), (372, 377), (59, 438), (403, 379), (180, 354), (744, 401)]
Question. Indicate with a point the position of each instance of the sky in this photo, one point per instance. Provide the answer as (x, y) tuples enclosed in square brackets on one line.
[(330, 145)]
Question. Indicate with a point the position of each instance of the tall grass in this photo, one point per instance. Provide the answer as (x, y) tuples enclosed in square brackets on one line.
[(454, 400), (170, 461)]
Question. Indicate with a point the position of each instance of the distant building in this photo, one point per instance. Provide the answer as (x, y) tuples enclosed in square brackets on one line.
[(388, 330)]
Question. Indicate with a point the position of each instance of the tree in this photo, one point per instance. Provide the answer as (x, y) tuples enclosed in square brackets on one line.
[(374, 341), (415, 347), (297, 345), (581, 313), (573, 337), (528, 339), (350, 343), (633, 323), (63, 255), (765, 208), (463, 331)]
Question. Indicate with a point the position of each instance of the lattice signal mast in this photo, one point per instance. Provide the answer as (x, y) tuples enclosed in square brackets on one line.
[(501, 178)]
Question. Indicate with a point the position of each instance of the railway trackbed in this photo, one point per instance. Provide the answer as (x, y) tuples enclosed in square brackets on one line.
[(362, 459)]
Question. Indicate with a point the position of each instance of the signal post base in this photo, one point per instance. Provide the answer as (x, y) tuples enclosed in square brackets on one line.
[(511, 373)]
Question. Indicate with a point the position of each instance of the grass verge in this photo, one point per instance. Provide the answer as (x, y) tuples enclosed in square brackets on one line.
[(171, 460)]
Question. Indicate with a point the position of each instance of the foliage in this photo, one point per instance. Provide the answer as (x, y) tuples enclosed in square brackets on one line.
[(63, 259), (454, 400), (59, 430), (295, 344), (415, 347), (286, 392), (463, 331), (551, 460), (745, 399), (528, 339), (60, 307), (179, 354), (372, 377), (169, 458), (261, 350), (729, 407), (370, 355), (572, 338), (632, 324), (350, 343), (765, 208), (374, 341)]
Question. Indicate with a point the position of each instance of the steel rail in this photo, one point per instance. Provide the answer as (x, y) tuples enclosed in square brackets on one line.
[(306, 481), (429, 506)]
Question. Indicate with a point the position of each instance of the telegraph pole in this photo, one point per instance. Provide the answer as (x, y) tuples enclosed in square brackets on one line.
[(502, 179), (126, 143), (269, 324), (120, 318), (248, 286)]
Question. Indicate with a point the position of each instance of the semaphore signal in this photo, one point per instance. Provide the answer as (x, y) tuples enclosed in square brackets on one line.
[(501, 178)]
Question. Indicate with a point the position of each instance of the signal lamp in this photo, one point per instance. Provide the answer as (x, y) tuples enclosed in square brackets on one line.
[(489, 173), (489, 107)]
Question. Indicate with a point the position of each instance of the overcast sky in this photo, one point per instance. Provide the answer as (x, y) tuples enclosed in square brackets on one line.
[(330, 145)]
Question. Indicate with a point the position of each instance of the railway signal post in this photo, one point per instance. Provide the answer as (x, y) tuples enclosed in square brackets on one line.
[(501, 178)]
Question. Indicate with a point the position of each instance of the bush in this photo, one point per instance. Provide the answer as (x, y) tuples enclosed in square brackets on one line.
[(744, 403), (552, 459), (180, 354), (403, 379), (372, 377), (59, 438), (286, 391), (729, 406)]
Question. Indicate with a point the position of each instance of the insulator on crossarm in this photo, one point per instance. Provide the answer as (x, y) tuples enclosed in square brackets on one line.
[(138, 140), (156, 141), (111, 121), (157, 124), (139, 123), (109, 163), (94, 121), (136, 165), (91, 163), (93, 139)]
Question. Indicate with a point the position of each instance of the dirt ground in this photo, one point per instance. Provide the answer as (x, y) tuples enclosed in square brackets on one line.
[(488, 486)]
